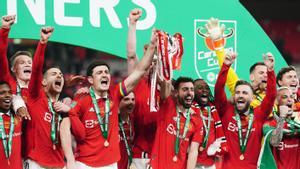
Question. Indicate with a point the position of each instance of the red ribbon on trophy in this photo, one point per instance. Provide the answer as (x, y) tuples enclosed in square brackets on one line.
[(178, 52), (170, 51), (153, 78)]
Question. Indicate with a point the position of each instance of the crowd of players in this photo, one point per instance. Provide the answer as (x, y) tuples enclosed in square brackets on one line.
[(110, 126)]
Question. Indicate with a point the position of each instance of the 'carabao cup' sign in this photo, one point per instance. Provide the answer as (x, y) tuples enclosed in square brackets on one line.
[(206, 63)]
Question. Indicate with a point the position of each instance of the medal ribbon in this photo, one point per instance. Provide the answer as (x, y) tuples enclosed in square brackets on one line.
[(243, 142), (293, 123), (18, 89), (7, 144), (103, 126), (54, 125), (206, 126), (128, 150), (185, 129)]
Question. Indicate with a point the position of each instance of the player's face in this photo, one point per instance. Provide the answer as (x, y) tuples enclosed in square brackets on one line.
[(185, 94), (128, 102), (5, 97), (259, 77), (243, 96), (285, 97), (290, 79), (54, 80), (201, 92), (100, 78), (23, 67)]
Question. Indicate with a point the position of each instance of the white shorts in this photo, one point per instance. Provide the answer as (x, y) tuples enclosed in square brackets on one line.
[(80, 165), (30, 164), (141, 163), (199, 166)]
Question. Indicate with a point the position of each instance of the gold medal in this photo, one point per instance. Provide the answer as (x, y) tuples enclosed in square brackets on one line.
[(106, 143), (242, 157), (201, 148), (132, 166), (175, 158)]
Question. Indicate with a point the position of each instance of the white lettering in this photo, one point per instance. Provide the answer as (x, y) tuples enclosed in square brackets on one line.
[(283, 146), (108, 6), (37, 10), (14, 135), (12, 8), (172, 130), (90, 123), (59, 14), (212, 62), (150, 14)]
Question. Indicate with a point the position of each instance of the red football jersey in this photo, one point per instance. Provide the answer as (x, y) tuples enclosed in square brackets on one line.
[(86, 129), (145, 125), (128, 129), (227, 114), (287, 153), (15, 159), (203, 158), (39, 146), (5, 74), (163, 148)]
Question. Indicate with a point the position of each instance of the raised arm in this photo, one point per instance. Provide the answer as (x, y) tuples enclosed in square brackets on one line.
[(220, 95), (7, 21), (268, 101), (232, 77), (141, 68), (216, 33), (35, 83), (165, 89), (132, 59)]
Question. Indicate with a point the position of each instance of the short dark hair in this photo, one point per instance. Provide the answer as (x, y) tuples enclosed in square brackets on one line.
[(46, 69), (12, 60), (4, 83), (94, 64), (283, 71), (198, 80), (182, 79), (254, 66), (243, 82)]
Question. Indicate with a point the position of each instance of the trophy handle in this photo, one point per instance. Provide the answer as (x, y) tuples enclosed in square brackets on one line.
[(204, 35), (231, 32)]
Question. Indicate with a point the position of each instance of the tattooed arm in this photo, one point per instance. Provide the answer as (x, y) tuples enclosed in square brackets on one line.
[(277, 134)]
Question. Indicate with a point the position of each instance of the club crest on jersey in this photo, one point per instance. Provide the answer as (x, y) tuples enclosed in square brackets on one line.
[(205, 61)]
